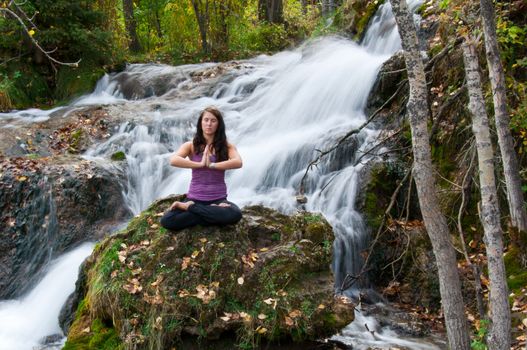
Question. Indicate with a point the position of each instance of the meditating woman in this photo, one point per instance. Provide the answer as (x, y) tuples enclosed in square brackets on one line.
[(208, 155)]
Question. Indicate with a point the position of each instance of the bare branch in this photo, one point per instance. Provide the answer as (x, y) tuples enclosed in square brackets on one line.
[(46, 53)]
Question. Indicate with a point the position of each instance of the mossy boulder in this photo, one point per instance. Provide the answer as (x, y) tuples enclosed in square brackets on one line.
[(263, 280)]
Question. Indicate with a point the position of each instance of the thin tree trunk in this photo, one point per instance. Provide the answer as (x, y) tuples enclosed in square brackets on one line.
[(434, 220), (500, 331), (130, 25), (508, 155), (271, 11), (202, 16)]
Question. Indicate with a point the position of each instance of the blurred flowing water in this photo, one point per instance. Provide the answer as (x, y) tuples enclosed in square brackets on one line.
[(278, 111)]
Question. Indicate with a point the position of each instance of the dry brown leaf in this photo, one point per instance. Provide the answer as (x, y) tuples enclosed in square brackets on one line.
[(185, 263), (158, 280), (295, 313), (182, 293), (289, 321)]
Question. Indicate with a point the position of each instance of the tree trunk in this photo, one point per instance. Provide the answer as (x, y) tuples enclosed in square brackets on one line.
[(130, 24), (271, 11), (202, 16), (500, 331), (508, 155), (434, 220)]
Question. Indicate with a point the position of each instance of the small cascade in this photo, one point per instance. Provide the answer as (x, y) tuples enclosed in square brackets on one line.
[(26, 321)]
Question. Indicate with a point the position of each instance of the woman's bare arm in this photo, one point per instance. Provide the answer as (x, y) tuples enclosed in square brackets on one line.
[(179, 159), (234, 161)]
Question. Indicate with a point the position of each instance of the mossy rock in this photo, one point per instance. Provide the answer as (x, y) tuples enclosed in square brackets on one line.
[(264, 280)]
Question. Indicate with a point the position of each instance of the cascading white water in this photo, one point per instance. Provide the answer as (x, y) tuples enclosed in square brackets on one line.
[(278, 110), (24, 322)]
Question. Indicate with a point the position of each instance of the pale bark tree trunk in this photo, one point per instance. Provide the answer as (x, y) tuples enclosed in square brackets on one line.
[(508, 155), (130, 25), (434, 220), (500, 331)]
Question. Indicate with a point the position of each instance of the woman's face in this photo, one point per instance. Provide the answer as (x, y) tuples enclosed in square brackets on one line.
[(209, 124)]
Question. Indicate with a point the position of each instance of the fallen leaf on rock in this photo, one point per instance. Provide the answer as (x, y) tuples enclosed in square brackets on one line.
[(246, 317), (281, 293), (185, 263), (295, 313), (261, 330), (157, 281), (183, 293)]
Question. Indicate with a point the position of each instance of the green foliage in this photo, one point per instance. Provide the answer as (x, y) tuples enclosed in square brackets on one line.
[(512, 38), (443, 4), (479, 343)]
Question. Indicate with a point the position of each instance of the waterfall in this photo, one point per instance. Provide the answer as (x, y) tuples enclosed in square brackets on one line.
[(24, 322), (278, 111)]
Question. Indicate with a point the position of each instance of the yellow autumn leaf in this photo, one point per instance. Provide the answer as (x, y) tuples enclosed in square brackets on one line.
[(261, 330), (31, 32), (195, 254)]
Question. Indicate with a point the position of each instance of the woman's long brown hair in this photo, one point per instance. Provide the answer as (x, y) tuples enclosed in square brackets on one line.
[(220, 145)]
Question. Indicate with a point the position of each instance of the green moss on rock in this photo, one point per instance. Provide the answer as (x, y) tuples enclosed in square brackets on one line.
[(154, 289)]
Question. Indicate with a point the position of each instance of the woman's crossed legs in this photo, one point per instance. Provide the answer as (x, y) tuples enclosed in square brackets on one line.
[(192, 212)]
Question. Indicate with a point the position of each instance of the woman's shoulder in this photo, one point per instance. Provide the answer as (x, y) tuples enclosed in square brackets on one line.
[(230, 145)]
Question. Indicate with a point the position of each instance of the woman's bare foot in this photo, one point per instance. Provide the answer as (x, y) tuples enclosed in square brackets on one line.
[(223, 205), (184, 206), (181, 205)]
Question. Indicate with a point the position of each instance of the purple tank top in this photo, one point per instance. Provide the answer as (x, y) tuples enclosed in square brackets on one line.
[(207, 184)]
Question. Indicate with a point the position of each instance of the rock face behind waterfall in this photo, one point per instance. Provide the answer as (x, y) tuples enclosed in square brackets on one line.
[(265, 279), (48, 205)]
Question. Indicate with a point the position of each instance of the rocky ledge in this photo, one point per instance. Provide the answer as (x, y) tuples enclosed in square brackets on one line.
[(264, 280)]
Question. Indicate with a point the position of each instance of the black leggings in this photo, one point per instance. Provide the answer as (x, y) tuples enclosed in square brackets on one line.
[(202, 213)]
